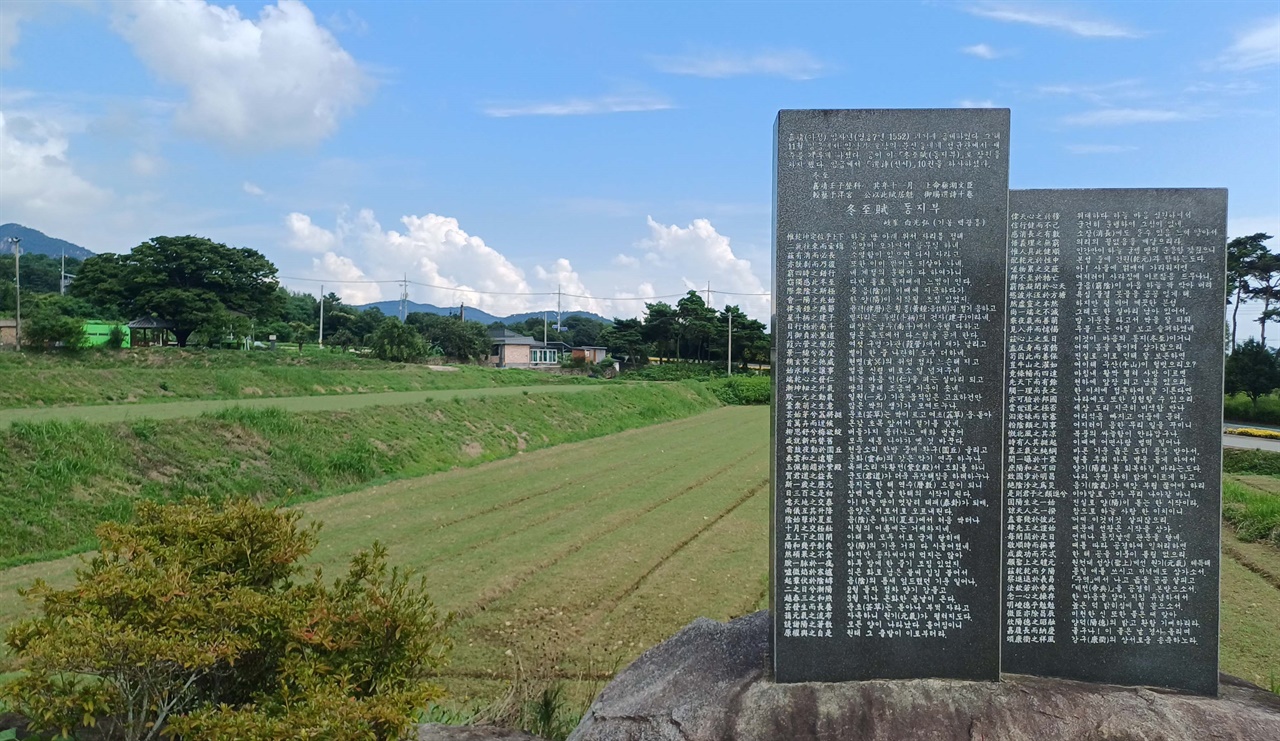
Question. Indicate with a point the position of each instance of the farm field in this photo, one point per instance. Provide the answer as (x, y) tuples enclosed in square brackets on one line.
[(564, 564), (101, 413)]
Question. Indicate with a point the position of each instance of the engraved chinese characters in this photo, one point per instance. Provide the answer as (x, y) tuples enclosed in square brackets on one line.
[(1114, 451), (889, 384)]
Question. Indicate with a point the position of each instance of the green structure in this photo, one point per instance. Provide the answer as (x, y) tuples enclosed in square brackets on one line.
[(96, 333)]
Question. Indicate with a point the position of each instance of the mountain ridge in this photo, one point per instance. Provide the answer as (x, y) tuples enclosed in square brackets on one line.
[(392, 308), (36, 242)]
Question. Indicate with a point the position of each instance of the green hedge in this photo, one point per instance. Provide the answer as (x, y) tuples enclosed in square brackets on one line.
[(742, 389)]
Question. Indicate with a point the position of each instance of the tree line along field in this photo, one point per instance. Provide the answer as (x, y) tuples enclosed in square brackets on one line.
[(172, 374), (564, 564)]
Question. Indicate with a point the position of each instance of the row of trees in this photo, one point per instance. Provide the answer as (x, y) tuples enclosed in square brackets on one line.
[(214, 293)]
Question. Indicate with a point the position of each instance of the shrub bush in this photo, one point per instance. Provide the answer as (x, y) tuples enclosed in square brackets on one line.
[(189, 622), (742, 389)]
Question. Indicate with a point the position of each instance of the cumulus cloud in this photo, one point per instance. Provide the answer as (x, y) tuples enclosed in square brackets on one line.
[(353, 286), (982, 51), (279, 81), (446, 265), (698, 253), (10, 19), (1255, 48), (794, 64), (581, 106), (38, 185), (1055, 17)]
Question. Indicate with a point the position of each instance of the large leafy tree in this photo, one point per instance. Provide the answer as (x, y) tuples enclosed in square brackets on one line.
[(1253, 370), (1265, 275), (192, 281), (695, 323), (456, 338), (660, 327), (1243, 254), (626, 339)]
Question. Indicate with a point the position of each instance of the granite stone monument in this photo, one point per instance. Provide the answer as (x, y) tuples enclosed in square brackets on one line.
[(1114, 448), (890, 251)]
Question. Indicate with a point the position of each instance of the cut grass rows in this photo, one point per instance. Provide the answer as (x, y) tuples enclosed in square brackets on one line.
[(58, 480)]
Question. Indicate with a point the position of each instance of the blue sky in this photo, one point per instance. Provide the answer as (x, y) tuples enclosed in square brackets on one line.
[(613, 150)]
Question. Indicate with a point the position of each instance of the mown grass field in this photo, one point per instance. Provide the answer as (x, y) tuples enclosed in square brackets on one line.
[(102, 413), (563, 564), (155, 375), (59, 479)]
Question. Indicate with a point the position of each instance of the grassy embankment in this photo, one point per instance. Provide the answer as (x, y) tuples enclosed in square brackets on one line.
[(172, 374), (564, 563), (59, 479), (1251, 566), (576, 558)]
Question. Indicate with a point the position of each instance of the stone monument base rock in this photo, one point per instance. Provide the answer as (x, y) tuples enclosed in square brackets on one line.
[(710, 681)]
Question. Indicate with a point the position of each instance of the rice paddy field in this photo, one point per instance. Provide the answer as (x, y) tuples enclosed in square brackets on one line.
[(564, 564)]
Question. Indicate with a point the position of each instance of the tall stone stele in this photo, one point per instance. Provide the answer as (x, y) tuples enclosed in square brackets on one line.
[(1114, 460), (889, 291)]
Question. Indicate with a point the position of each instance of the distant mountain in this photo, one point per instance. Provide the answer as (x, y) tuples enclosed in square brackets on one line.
[(392, 308), (37, 242)]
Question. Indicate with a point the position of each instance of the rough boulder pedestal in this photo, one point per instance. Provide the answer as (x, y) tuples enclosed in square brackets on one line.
[(710, 681)]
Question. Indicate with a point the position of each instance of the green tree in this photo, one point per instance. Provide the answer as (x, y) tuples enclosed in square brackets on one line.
[(695, 322), (1243, 254), (301, 333), (660, 328), (191, 281), (1265, 274), (1252, 369), (626, 339), (457, 338), (398, 342), (190, 623)]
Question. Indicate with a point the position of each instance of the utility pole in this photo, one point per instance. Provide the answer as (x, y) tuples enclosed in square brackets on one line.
[(729, 361), (544, 328), (404, 298), (462, 311), (321, 316), (559, 325), (62, 278), (17, 289), (708, 293)]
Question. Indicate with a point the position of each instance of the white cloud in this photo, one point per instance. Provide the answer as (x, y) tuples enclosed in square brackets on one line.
[(279, 81), (581, 106), (434, 250), (566, 280), (792, 64), (1127, 116), (351, 286), (982, 51), (966, 103), (698, 253), (348, 22), (1054, 17), (146, 165), (1107, 93), (1257, 47), (1099, 148), (252, 189), (38, 185), (11, 16), (305, 236)]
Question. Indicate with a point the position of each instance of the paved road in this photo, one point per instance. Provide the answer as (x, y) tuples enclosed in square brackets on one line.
[(176, 409), (1258, 443)]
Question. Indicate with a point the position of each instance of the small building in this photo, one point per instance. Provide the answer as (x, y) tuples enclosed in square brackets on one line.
[(149, 331), (97, 333), (8, 334), (590, 354), (514, 350)]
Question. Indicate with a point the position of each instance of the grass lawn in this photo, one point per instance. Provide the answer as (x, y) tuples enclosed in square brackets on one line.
[(563, 564), (102, 413), (157, 375)]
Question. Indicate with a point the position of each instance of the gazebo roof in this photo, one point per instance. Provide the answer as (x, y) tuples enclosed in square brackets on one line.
[(150, 322)]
